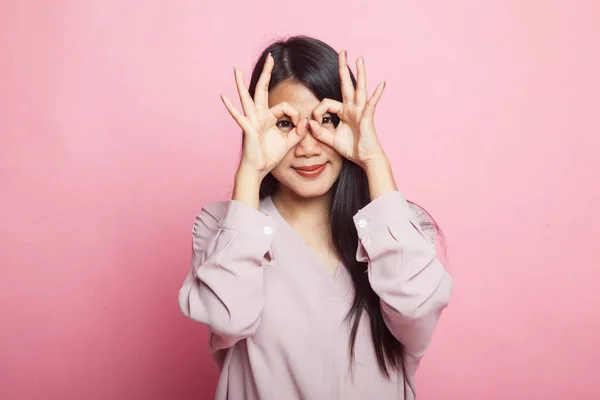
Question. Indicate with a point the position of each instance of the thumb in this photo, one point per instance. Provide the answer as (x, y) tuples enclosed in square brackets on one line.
[(296, 135), (322, 135)]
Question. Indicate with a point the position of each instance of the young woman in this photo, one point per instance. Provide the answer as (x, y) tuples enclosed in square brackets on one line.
[(318, 280)]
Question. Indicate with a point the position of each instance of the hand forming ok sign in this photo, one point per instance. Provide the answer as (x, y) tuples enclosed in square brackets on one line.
[(264, 143), (354, 137)]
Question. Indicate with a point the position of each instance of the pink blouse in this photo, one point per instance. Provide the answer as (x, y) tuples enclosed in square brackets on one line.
[(276, 315)]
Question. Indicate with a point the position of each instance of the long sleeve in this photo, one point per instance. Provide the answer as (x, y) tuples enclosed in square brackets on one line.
[(404, 271), (224, 287)]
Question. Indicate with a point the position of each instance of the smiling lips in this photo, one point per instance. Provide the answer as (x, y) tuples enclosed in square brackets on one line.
[(310, 171)]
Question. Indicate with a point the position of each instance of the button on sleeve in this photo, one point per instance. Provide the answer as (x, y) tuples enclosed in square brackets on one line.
[(243, 218), (384, 210)]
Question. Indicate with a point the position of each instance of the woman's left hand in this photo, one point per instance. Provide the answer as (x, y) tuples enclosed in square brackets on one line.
[(354, 137)]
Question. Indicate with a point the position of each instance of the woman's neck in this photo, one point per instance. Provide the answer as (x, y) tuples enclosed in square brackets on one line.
[(311, 212)]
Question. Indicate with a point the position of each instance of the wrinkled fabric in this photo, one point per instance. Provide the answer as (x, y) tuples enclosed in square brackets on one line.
[(277, 316)]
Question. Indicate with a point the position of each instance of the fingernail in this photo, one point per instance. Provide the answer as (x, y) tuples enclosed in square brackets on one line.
[(345, 53)]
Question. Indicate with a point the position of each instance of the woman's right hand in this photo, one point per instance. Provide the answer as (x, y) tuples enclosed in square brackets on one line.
[(265, 144)]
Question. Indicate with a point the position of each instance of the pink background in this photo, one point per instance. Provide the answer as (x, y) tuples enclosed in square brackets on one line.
[(113, 136)]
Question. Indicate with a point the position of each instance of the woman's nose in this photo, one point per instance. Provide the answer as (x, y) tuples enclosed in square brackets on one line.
[(308, 146)]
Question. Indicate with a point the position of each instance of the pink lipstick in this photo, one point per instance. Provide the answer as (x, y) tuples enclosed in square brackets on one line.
[(311, 171)]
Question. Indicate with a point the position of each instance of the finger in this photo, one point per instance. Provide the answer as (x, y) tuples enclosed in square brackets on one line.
[(360, 95), (245, 99), (345, 80), (294, 137), (261, 93), (326, 106), (322, 135), (241, 120), (284, 108), (372, 103), (302, 127)]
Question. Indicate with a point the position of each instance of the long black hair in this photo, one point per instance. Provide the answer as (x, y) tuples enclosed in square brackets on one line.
[(313, 63)]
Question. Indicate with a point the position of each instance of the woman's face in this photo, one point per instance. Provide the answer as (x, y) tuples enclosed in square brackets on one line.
[(311, 167)]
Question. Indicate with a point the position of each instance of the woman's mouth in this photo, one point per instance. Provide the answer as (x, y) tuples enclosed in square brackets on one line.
[(310, 171)]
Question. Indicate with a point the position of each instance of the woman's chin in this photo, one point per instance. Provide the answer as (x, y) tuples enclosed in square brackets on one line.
[(310, 189), (305, 187), (309, 194)]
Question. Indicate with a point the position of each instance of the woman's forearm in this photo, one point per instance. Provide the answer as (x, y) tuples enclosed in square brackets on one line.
[(246, 187), (381, 178)]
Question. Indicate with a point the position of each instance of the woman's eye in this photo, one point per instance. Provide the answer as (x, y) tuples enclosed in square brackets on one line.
[(284, 124), (326, 120)]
